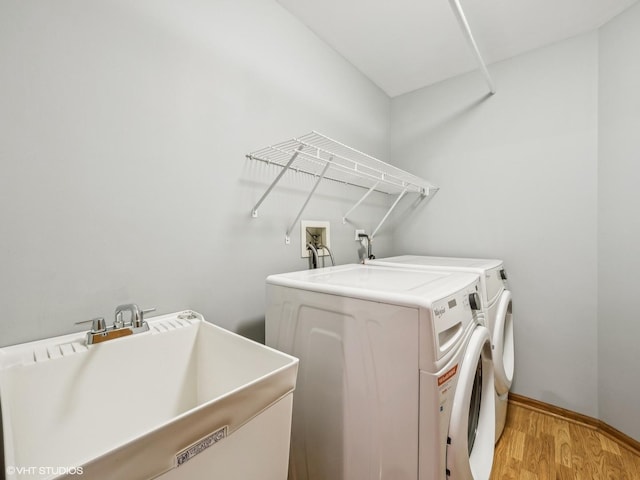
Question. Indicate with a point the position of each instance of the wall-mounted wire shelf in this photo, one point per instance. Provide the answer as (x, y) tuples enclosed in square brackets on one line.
[(318, 155)]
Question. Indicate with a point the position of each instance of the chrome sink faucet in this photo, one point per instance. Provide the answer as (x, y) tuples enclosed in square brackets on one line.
[(101, 333), (136, 315)]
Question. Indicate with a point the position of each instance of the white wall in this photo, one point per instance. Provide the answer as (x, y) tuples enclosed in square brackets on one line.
[(619, 222), (123, 130), (518, 178)]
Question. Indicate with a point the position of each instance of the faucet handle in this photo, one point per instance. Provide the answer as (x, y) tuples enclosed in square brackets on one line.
[(97, 324), (138, 321)]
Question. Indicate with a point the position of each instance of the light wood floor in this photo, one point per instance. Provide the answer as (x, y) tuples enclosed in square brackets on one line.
[(538, 446)]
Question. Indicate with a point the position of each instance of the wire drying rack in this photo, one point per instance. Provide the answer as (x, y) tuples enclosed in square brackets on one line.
[(324, 158)]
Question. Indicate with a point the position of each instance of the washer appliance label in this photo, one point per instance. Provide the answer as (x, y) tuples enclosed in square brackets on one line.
[(448, 375), (445, 382)]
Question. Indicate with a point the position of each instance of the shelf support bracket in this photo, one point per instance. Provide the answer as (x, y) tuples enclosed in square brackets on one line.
[(254, 210), (287, 237), (384, 219), (346, 215), (466, 29)]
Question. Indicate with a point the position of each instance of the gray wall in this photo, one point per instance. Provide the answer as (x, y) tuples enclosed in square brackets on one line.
[(619, 223), (123, 130), (518, 177)]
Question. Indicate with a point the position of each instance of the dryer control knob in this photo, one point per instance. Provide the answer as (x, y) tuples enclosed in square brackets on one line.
[(474, 301), (503, 274)]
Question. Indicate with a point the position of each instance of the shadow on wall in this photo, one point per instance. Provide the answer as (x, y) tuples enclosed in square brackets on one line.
[(252, 329), (446, 123), (409, 213)]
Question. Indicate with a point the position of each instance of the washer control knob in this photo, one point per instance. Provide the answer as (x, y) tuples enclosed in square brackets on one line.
[(474, 301), (503, 274)]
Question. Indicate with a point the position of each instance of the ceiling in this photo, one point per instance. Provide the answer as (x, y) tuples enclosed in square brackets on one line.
[(403, 45)]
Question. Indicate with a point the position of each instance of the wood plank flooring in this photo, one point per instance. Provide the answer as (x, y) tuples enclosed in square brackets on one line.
[(540, 446)]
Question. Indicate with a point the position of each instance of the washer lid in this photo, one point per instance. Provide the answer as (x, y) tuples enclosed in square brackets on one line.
[(400, 286), (488, 269), (446, 262)]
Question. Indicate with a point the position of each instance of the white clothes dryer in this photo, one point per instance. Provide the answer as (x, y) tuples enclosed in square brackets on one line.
[(497, 309), (393, 374)]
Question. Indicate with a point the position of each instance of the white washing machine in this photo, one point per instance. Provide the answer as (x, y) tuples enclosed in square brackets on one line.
[(497, 307), (393, 374)]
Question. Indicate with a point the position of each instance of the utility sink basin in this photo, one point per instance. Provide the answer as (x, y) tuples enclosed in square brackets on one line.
[(185, 400)]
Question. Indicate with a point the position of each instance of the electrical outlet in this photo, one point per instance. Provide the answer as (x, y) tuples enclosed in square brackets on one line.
[(358, 232), (316, 232)]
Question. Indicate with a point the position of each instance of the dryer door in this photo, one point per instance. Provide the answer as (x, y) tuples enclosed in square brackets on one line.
[(472, 427), (503, 350)]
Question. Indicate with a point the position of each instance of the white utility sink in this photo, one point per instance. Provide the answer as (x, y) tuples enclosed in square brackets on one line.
[(185, 400)]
